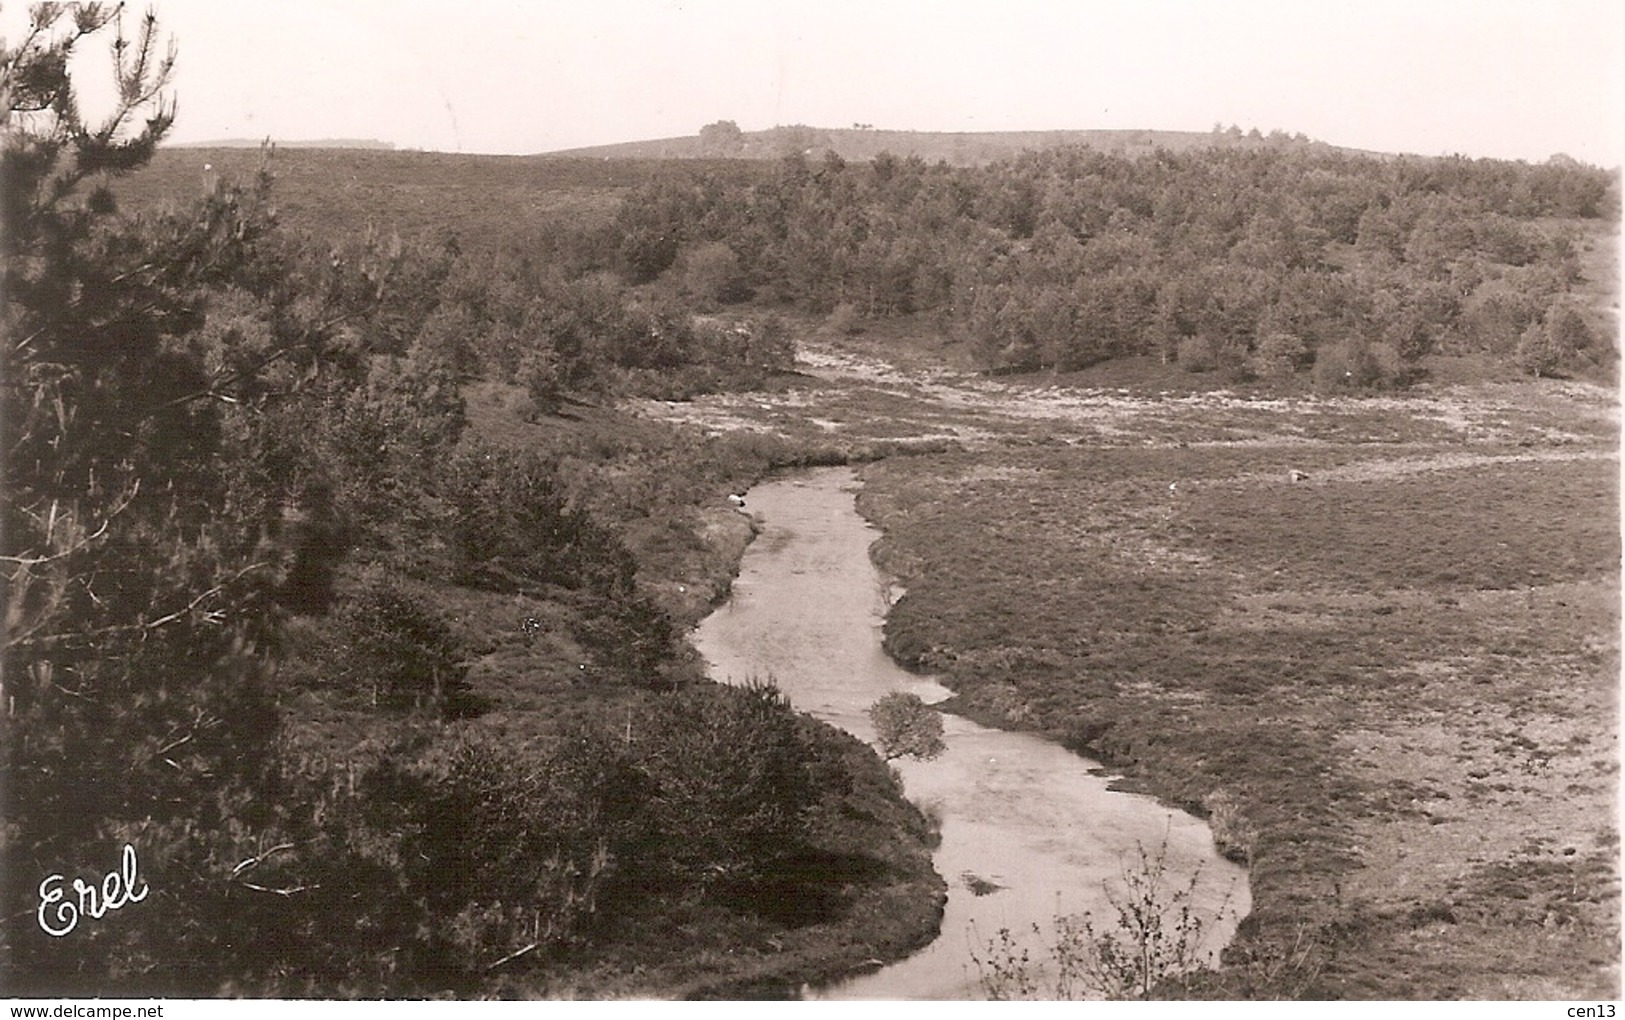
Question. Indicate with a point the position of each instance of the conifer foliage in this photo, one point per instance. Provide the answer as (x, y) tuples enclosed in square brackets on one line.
[(1246, 262), (143, 570), (234, 474)]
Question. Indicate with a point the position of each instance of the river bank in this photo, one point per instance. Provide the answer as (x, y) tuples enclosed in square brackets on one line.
[(1029, 831), (1394, 681), (1417, 768)]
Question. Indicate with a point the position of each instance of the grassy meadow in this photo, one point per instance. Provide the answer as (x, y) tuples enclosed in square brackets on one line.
[(1391, 684)]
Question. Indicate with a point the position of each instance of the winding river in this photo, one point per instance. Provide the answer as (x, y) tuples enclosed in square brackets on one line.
[(1029, 829)]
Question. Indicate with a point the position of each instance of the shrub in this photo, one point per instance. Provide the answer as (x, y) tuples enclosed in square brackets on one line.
[(731, 778), (1199, 354), (843, 320), (712, 275), (510, 528), (772, 348), (396, 651), (1347, 364), (1393, 368), (1154, 938), (521, 848), (420, 866), (1278, 355), (424, 865), (742, 350), (907, 727), (447, 336), (659, 337), (538, 373), (1546, 346), (1357, 364), (631, 633), (384, 436)]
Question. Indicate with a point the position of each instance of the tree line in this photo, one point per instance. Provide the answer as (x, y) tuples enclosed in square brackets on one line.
[(1255, 262)]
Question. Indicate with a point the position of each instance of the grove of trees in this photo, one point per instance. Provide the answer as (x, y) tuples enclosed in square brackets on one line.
[(1255, 262)]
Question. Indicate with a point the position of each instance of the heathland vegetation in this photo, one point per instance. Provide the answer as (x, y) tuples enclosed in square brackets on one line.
[(353, 520), (1372, 639), (1274, 262), (332, 594)]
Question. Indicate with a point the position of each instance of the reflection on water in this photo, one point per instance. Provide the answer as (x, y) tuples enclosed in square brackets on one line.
[(1028, 832)]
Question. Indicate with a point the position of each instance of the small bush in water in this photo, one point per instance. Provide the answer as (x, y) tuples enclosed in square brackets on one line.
[(907, 727)]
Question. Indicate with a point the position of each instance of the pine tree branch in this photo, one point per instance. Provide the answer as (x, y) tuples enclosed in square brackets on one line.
[(149, 625), (290, 891), (222, 383), (50, 529)]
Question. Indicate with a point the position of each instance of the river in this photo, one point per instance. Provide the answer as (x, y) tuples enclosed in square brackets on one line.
[(1029, 829)]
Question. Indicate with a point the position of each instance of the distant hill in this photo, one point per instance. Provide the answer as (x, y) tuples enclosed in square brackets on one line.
[(957, 148), (337, 192), (309, 143)]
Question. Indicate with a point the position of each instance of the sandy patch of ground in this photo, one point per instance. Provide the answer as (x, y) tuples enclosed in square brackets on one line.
[(1422, 463), (863, 397)]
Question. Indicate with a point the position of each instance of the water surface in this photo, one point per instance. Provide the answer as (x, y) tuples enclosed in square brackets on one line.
[(1022, 817)]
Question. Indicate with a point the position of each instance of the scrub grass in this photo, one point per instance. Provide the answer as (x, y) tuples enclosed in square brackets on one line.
[(1406, 685), (1393, 684)]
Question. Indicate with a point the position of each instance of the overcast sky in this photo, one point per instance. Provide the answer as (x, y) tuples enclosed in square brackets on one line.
[(1481, 77)]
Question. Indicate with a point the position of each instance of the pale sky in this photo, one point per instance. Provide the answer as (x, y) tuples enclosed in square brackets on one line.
[(1506, 78)]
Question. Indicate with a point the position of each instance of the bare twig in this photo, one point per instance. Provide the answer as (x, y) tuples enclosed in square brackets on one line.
[(260, 858), (291, 890), (516, 954), (173, 744)]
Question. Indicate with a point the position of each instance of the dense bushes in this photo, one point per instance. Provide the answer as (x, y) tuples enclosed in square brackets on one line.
[(429, 862), (394, 652), (510, 529), (1553, 343), (566, 336), (732, 777), (231, 490)]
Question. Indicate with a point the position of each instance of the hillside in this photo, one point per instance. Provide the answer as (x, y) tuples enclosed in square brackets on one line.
[(957, 148), (298, 143), (1177, 256), (341, 193)]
